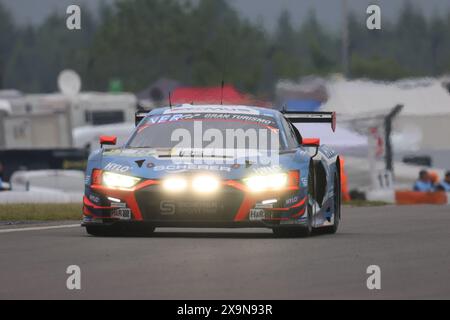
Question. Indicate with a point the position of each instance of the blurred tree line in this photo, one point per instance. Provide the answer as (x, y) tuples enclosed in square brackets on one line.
[(139, 41)]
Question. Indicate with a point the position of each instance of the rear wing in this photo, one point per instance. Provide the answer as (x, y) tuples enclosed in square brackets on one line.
[(311, 117)]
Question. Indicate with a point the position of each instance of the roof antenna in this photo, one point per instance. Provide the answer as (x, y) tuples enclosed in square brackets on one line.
[(221, 93), (170, 100)]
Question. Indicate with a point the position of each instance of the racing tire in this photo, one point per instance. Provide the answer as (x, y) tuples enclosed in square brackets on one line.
[(298, 231), (337, 207), (102, 231), (120, 231)]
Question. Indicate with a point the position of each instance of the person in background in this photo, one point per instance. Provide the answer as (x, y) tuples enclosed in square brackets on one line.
[(445, 185), (434, 178), (424, 183)]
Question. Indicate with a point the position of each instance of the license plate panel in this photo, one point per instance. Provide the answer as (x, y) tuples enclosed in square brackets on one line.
[(121, 214), (257, 215)]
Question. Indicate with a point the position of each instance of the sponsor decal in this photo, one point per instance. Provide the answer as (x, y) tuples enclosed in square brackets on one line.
[(213, 109), (94, 199), (328, 152), (118, 205), (294, 221), (198, 207), (292, 200), (139, 163), (304, 181), (257, 215), (117, 167), (167, 118), (264, 206), (267, 170), (191, 167), (130, 153), (167, 208)]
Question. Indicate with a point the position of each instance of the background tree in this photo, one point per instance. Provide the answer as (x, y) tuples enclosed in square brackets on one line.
[(205, 42), (40, 54), (8, 34)]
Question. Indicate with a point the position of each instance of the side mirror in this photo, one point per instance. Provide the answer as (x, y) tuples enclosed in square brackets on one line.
[(108, 140), (311, 142)]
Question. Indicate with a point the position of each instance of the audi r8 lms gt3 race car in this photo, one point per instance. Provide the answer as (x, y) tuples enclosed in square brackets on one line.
[(214, 166)]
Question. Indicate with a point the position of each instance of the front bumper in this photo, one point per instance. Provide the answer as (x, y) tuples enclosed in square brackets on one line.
[(232, 207)]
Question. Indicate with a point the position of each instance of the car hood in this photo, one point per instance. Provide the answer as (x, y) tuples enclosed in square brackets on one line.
[(158, 163)]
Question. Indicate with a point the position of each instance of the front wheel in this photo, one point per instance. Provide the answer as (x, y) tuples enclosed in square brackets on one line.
[(102, 231), (337, 207), (304, 231), (120, 231)]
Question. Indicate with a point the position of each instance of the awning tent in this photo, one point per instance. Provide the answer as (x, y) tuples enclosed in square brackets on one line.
[(209, 95), (425, 117), (420, 97)]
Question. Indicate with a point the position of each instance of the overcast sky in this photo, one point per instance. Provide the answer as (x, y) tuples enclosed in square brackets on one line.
[(328, 11)]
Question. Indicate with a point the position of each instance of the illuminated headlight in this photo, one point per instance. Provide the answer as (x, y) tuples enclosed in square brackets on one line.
[(115, 180), (174, 184), (205, 184), (268, 182)]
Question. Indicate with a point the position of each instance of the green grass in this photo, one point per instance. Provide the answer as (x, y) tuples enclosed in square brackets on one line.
[(364, 203), (40, 212), (61, 212)]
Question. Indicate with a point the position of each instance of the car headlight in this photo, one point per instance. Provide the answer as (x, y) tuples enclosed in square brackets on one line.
[(175, 184), (267, 182), (205, 184), (115, 180)]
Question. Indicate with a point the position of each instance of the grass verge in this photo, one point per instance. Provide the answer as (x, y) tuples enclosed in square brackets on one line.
[(62, 211), (40, 212)]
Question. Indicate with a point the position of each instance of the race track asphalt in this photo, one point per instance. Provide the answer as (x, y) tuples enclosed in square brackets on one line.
[(411, 245)]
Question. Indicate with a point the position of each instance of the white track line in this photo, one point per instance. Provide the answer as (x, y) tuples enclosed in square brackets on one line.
[(39, 228)]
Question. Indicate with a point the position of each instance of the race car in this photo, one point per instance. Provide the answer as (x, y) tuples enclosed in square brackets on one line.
[(215, 166)]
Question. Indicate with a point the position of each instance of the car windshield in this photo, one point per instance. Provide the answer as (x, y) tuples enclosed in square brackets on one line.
[(208, 131)]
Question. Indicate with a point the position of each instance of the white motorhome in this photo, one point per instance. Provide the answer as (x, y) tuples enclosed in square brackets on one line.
[(46, 121), (95, 108), (88, 137), (36, 122)]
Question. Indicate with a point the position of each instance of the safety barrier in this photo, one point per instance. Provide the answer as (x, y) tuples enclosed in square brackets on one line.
[(344, 182), (413, 198)]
